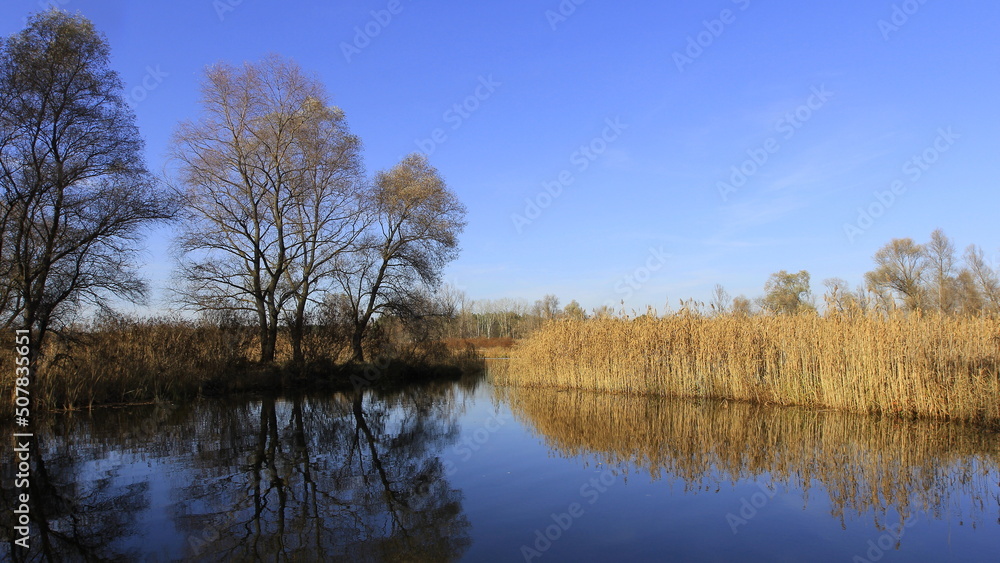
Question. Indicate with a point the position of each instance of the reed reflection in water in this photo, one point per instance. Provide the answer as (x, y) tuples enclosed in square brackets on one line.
[(866, 465)]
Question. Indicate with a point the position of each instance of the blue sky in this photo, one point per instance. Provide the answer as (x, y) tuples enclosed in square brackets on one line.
[(634, 114)]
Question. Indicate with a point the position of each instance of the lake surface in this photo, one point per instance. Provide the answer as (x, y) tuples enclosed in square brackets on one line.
[(465, 471)]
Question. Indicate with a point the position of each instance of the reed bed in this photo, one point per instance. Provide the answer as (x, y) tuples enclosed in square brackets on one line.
[(909, 365), (135, 361), (125, 360), (865, 465)]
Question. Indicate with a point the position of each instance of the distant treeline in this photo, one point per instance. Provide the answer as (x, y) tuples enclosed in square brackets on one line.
[(907, 277)]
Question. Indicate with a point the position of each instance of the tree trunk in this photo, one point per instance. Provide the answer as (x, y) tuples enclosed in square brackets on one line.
[(356, 338), (297, 332), (266, 347), (266, 344)]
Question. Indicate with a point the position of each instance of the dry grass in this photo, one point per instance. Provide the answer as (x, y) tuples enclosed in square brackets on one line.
[(133, 361), (127, 360), (480, 343), (865, 464), (945, 367), (485, 347)]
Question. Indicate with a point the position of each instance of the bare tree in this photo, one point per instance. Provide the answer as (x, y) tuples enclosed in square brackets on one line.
[(940, 255), (77, 196), (416, 221), (547, 307), (721, 301), (574, 311), (270, 177), (787, 293), (966, 295), (839, 298), (899, 272), (742, 307), (986, 279), (326, 215)]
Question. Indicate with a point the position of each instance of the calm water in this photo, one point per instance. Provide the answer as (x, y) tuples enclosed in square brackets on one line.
[(468, 472)]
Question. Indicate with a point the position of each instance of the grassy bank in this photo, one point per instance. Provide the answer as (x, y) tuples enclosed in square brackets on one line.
[(144, 360), (945, 367)]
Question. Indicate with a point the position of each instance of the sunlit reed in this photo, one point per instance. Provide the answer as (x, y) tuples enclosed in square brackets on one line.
[(945, 367)]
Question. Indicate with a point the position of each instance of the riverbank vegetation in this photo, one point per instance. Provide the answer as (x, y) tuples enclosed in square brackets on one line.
[(116, 359), (901, 364), (921, 338)]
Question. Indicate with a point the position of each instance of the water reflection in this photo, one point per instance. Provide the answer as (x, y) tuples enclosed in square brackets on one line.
[(362, 478), (351, 477), (71, 519), (865, 465)]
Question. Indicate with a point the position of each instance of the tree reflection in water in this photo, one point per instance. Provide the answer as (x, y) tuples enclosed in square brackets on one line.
[(351, 477), (71, 519)]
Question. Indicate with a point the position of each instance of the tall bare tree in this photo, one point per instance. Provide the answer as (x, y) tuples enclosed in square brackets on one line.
[(327, 214), (416, 221), (270, 177), (940, 255), (77, 196)]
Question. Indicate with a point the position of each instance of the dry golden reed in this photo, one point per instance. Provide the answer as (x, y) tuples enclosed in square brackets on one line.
[(935, 366), (127, 360), (136, 361), (864, 464)]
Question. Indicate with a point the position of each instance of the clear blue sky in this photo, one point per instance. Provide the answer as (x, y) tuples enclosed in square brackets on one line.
[(884, 86)]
